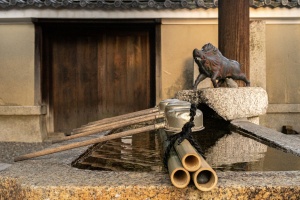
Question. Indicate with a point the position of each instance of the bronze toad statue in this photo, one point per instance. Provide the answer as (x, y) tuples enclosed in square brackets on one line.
[(211, 63)]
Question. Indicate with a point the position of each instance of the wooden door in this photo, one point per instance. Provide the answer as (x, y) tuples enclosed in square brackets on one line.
[(96, 72), (124, 76)]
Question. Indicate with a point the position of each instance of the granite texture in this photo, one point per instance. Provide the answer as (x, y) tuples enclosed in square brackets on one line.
[(52, 177), (47, 180), (230, 103)]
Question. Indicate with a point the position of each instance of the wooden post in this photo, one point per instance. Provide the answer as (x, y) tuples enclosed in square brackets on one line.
[(234, 32)]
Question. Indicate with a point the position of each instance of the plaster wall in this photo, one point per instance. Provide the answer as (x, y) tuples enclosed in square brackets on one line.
[(177, 44), (17, 64), (180, 37), (282, 76), (283, 63)]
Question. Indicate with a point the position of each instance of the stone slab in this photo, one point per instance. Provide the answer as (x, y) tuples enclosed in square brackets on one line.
[(287, 143), (230, 103), (3, 166)]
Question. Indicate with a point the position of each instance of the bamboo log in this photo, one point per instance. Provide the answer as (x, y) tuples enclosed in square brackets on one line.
[(179, 176), (113, 126), (205, 179), (189, 157), (89, 142)]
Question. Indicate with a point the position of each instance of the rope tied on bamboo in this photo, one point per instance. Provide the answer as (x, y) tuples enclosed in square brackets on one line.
[(184, 134)]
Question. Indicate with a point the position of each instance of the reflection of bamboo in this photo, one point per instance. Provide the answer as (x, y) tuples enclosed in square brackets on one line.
[(205, 179), (114, 125), (189, 157), (179, 176), (89, 142)]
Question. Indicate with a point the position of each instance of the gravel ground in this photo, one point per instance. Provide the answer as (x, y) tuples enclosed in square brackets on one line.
[(9, 150)]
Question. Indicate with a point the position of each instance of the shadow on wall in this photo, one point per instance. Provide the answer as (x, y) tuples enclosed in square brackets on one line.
[(185, 81)]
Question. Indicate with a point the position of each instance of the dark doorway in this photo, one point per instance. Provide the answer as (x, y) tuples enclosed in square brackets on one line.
[(94, 70)]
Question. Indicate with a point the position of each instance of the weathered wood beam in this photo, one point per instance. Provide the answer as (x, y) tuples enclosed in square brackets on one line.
[(234, 32)]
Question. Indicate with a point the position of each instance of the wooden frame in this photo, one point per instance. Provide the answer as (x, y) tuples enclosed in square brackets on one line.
[(43, 77)]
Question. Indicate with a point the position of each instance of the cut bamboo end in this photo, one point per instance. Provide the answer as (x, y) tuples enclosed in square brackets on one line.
[(205, 179), (191, 162), (179, 176), (189, 157)]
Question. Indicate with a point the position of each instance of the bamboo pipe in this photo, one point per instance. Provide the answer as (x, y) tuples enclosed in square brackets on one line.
[(205, 179), (122, 117), (113, 126), (159, 108), (114, 122), (128, 121), (179, 176), (89, 142), (189, 157)]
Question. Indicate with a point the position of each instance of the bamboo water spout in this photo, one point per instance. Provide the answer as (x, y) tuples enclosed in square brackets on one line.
[(120, 121), (189, 157), (122, 117), (205, 179), (179, 176), (105, 138)]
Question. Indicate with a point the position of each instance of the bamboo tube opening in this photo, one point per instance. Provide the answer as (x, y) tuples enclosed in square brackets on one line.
[(180, 178), (191, 162), (205, 179), (189, 157)]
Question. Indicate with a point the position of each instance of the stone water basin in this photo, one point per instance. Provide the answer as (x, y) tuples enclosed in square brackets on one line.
[(225, 150), (54, 177)]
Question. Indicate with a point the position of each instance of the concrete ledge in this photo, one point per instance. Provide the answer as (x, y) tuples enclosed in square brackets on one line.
[(23, 110), (22, 123), (230, 103), (283, 108)]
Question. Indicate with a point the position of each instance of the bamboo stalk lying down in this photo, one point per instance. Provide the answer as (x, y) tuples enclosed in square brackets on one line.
[(114, 125), (126, 121), (121, 117), (89, 142)]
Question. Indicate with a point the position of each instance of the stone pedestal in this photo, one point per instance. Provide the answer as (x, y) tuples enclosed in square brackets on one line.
[(230, 103), (22, 123)]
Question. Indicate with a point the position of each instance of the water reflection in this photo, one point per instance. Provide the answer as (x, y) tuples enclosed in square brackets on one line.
[(132, 153), (231, 151), (224, 150)]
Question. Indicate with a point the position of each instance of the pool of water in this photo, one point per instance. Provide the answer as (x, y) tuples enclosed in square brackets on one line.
[(139, 152), (224, 150)]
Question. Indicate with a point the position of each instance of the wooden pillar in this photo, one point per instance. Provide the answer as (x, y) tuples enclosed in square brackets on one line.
[(234, 32)]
